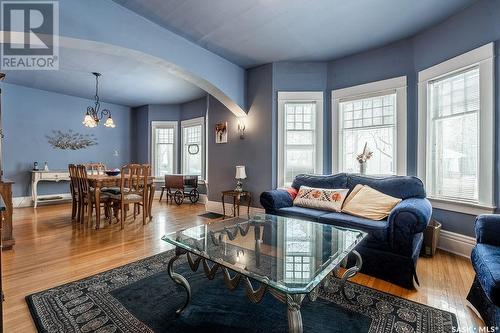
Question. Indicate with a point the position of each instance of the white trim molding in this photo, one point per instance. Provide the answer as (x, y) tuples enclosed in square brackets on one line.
[(396, 85), (199, 121), (20, 202), (163, 124), (216, 207), (456, 243), (483, 58), (300, 96)]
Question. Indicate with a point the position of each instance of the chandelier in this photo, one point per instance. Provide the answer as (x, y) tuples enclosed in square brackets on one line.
[(95, 114)]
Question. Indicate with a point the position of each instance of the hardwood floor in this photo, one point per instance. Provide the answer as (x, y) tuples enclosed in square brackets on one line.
[(50, 250)]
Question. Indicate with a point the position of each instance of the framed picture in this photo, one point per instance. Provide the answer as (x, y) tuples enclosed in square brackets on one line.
[(221, 133)]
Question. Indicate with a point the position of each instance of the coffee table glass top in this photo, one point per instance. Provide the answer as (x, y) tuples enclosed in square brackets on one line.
[(289, 254)]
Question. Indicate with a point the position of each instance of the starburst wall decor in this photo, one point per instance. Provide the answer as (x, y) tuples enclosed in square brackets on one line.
[(71, 140)]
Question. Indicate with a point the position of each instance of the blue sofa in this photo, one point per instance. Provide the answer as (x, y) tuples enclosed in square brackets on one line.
[(392, 248), (484, 293)]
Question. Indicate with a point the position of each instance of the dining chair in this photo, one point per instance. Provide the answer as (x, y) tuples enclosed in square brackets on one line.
[(95, 168), (87, 198), (149, 199), (73, 186), (133, 190)]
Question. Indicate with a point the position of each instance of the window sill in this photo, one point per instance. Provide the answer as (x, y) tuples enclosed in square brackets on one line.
[(461, 206)]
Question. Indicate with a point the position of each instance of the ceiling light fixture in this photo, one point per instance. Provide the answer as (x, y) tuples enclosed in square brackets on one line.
[(95, 114)]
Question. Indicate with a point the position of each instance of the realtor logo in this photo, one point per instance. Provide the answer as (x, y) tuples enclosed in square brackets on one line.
[(30, 35)]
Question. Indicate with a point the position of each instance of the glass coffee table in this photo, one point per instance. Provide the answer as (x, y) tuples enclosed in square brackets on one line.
[(287, 257)]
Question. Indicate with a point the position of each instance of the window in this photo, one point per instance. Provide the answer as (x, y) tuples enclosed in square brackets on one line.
[(456, 131), (454, 124), (374, 115), (300, 135), (164, 143), (193, 155), (370, 121)]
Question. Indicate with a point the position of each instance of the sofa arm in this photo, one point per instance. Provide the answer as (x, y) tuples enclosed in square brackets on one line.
[(275, 199), (487, 228), (408, 218)]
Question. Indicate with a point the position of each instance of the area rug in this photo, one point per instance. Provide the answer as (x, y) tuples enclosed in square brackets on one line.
[(211, 215), (141, 297)]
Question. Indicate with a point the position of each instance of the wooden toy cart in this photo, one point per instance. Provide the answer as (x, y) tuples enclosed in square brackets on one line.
[(179, 187)]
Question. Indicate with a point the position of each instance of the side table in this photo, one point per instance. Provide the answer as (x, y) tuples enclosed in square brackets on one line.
[(237, 196)]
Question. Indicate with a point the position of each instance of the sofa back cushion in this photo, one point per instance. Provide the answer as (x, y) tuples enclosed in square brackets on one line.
[(320, 181), (403, 187)]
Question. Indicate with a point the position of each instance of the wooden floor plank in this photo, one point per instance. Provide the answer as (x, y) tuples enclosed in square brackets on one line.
[(50, 250)]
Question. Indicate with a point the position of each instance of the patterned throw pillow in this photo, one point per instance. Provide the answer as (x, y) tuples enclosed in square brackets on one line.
[(320, 198)]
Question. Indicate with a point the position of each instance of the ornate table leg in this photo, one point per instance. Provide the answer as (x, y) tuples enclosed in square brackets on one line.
[(293, 312), (179, 279), (351, 272)]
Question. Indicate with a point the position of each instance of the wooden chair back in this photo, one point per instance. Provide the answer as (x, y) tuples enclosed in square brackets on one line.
[(134, 179), (73, 176), (95, 168), (83, 182)]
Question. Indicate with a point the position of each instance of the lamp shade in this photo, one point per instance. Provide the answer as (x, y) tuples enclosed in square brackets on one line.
[(240, 172)]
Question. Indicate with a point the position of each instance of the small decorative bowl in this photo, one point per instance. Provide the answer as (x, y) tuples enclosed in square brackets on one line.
[(112, 172)]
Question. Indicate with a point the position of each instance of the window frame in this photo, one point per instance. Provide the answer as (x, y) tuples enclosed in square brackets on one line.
[(483, 58), (299, 97), (158, 125), (199, 121), (395, 85)]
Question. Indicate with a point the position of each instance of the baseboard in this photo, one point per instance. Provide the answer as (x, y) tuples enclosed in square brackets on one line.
[(20, 202), (216, 207), (456, 243)]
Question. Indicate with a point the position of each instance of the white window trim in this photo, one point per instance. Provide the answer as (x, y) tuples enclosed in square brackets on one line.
[(161, 124), (300, 96), (482, 57), (397, 85), (189, 123)]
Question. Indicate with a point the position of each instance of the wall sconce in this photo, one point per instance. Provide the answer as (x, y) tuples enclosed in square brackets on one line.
[(241, 128)]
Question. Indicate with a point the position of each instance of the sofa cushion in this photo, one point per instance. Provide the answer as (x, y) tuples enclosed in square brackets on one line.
[(301, 212), (328, 181), (371, 204), (486, 262), (403, 187), (321, 198), (378, 230)]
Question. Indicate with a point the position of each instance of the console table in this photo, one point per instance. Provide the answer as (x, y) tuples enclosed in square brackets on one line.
[(46, 176), (237, 196)]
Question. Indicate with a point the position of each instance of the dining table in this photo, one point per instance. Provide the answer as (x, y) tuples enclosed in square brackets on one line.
[(99, 181)]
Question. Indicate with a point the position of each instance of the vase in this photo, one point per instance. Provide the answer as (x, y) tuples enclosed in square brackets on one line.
[(362, 168)]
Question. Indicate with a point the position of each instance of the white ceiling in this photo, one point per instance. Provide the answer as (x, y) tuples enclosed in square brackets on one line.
[(253, 32)]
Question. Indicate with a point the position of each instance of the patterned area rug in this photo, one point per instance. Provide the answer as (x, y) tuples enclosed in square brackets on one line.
[(140, 297)]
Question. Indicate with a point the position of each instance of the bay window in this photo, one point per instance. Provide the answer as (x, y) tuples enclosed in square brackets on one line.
[(300, 135), (456, 132), (163, 147), (371, 115), (193, 153)]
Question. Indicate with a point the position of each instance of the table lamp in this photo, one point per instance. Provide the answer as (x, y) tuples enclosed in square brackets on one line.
[(240, 174)]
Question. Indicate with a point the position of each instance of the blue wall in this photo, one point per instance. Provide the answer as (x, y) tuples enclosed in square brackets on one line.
[(194, 109), (144, 115), (29, 115), (255, 151)]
